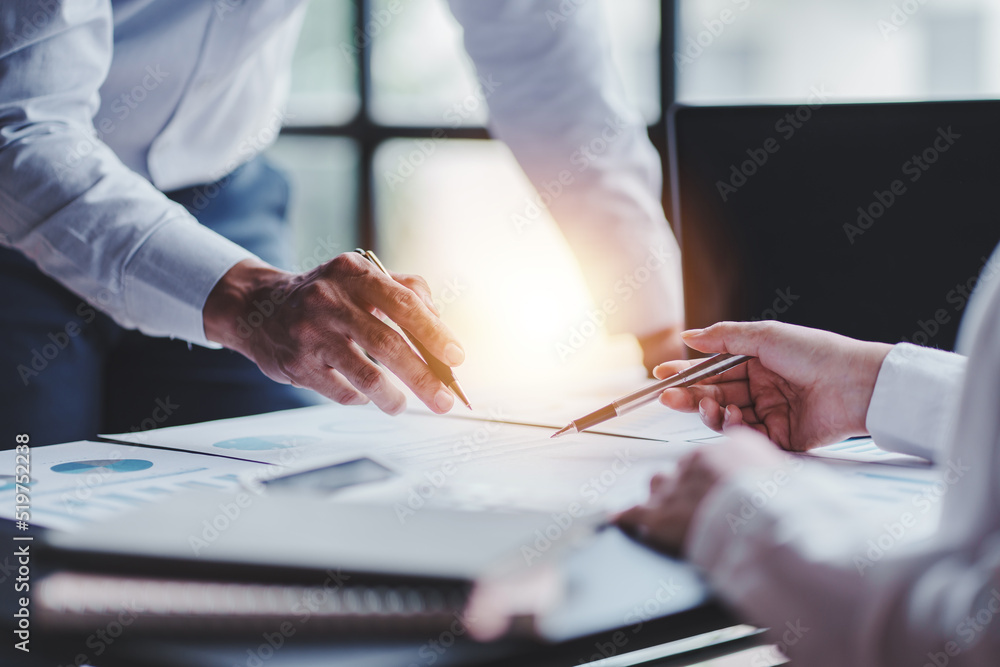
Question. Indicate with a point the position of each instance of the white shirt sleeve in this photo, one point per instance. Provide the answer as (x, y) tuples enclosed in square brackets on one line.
[(67, 201), (915, 400), (837, 588), (556, 101), (862, 587)]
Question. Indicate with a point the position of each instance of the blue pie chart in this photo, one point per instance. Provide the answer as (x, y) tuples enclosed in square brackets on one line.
[(265, 442), (102, 466)]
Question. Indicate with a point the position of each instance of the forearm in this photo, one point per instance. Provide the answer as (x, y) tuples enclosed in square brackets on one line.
[(556, 100), (69, 203)]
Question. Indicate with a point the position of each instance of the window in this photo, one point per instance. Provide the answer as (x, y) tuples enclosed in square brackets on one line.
[(371, 82), (752, 51)]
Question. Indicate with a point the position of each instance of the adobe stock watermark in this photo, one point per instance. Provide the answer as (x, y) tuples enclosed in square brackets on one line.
[(462, 451), (968, 630), (312, 600), (957, 297), (767, 490), (453, 118), (430, 652), (580, 161), (712, 29), (636, 619), (378, 20), (893, 532), (563, 12), (786, 127), (57, 341), (784, 299), (591, 492), (32, 23), (122, 107), (224, 514), (914, 168), (784, 637), (899, 16), (223, 7), (624, 289)]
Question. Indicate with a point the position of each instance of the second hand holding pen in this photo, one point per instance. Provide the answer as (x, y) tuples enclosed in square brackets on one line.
[(440, 369), (714, 365)]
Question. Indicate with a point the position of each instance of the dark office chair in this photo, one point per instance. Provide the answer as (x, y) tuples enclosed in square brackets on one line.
[(871, 220)]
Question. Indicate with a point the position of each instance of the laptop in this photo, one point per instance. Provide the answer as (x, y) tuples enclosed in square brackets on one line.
[(871, 220)]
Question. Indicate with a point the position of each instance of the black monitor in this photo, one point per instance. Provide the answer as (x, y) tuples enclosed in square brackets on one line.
[(871, 220)]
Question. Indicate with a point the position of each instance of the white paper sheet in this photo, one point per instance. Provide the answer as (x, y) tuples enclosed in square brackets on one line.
[(75, 483)]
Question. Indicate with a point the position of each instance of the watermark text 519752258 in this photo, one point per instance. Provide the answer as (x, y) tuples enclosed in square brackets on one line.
[(21, 543)]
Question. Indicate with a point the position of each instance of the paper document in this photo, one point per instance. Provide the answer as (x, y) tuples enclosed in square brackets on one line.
[(75, 483)]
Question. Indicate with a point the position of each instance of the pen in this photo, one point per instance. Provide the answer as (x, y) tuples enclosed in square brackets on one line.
[(714, 365), (440, 369)]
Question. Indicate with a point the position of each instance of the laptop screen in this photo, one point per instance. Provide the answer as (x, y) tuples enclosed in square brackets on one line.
[(871, 220)]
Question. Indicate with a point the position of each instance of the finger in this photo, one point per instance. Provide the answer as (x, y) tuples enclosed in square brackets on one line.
[(330, 383), (731, 418), (658, 481), (635, 519), (711, 414), (392, 350), (366, 377), (420, 287), (673, 367), (407, 309), (669, 368), (687, 399), (733, 337)]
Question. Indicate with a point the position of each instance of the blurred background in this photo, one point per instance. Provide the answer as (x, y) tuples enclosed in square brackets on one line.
[(372, 99)]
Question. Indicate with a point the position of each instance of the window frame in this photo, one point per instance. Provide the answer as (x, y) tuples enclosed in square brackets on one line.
[(368, 134)]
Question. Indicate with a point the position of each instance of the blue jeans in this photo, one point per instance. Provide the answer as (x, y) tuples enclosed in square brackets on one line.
[(68, 372)]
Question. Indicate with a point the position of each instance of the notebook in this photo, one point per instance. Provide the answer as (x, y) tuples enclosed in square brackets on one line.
[(238, 561)]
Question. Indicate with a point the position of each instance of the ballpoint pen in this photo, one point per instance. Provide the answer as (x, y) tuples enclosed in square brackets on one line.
[(714, 365), (440, 369)]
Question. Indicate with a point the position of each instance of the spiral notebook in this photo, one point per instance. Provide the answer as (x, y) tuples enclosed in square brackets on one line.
[(238, 562)]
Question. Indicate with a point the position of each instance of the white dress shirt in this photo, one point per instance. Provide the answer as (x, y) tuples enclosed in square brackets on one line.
[(106, 104), (804, 564)]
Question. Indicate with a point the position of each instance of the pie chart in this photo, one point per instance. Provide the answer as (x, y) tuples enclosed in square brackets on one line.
[(103, 466), (258, 443)]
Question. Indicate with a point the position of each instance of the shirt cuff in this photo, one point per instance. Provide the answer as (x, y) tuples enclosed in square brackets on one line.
[(915, 400), (168, 279)]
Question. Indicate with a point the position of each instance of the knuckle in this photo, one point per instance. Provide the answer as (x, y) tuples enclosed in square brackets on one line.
[(313, 293), (368, 379), (291, 367), (344, 395), (347, 264), (385, 344), (405, 300), (417, 284), (298, 328), (425, 382)]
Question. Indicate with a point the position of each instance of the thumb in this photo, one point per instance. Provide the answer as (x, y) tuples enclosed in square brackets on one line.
[(633, 519), (733, 337)]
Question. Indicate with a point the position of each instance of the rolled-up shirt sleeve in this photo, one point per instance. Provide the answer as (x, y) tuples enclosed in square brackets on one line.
[(556, 100), (915, 401), (66, 200)]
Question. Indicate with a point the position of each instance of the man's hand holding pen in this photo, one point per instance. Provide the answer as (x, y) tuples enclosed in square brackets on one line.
[(313, 330)]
